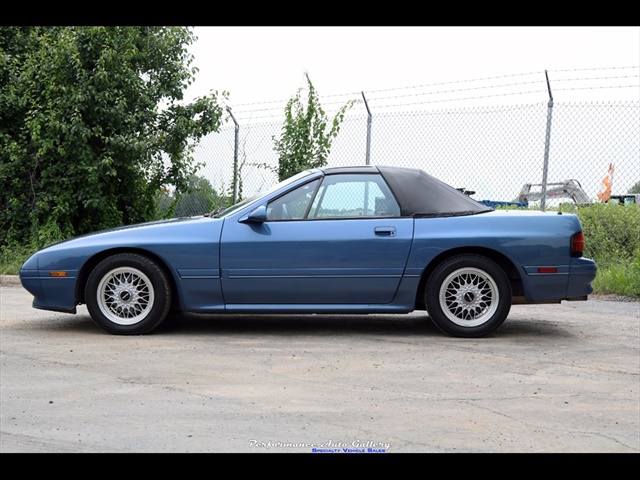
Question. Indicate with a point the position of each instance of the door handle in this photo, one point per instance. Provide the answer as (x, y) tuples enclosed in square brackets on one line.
[(385, 231)]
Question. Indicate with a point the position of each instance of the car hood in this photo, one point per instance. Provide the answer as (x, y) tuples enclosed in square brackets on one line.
[(140, 230), (159, 237)]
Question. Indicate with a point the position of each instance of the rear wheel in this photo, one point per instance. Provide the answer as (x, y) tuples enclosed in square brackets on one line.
[(468, 296), (128, 294)]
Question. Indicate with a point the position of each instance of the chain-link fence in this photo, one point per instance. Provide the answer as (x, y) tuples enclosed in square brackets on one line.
[(492, 151)]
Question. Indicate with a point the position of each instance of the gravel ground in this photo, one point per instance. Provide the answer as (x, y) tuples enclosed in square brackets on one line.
[(554, 378)]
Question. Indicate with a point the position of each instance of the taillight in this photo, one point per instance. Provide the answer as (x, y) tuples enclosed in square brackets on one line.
[(577, 245)]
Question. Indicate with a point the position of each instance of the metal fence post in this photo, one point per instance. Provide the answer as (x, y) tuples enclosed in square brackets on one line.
[(547, 140), (235, 157), (368, 154)]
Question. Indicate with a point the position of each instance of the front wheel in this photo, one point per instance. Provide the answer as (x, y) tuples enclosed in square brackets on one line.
[(468, 296), (128, 294)]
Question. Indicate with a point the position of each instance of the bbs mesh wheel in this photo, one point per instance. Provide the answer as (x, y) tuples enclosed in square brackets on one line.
[(468, 296), (128, 294)]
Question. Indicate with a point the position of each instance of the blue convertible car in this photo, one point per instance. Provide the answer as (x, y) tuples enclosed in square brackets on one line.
[(362, 239)]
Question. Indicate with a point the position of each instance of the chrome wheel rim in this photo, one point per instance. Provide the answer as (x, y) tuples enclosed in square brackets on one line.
[(469, 297), (125, 296)]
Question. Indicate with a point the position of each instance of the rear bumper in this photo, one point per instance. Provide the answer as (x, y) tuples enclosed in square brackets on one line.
[(569, 282)]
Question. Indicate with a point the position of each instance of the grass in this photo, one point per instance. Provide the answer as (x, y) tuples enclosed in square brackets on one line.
[(619, 279), (11, 259)]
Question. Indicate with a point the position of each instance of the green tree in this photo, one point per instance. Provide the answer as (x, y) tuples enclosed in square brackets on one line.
[(307, 133), (93, 126), (635, 188), (200, 198)]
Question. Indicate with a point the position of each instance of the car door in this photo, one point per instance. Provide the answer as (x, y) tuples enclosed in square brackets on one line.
[(338, 240)]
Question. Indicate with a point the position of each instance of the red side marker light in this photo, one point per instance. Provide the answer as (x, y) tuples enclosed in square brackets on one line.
[(547, 270)]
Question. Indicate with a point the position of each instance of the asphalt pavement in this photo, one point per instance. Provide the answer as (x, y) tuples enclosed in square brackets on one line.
[(553, 379)]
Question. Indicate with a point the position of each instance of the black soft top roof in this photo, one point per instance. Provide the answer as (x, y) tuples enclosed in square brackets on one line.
[(418, 193)]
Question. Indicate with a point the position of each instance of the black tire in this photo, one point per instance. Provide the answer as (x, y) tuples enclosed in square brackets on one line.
[(128, 294), (468, 296)]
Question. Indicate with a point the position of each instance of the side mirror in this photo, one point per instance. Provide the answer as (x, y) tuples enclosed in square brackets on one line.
[(258, 215)]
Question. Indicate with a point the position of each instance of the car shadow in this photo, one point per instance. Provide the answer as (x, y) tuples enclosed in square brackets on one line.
[(401, 325), (295, 324), (323, 325)]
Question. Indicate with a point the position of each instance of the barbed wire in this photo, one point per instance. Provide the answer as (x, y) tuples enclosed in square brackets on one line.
[(426, 94)]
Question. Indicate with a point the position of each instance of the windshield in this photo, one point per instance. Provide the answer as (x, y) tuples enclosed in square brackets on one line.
[(257, 197)]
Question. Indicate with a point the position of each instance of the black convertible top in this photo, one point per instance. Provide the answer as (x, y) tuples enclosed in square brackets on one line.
[(420, 194)]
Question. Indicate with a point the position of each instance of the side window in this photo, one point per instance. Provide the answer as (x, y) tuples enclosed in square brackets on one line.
[(354, 195), (293, 205)]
